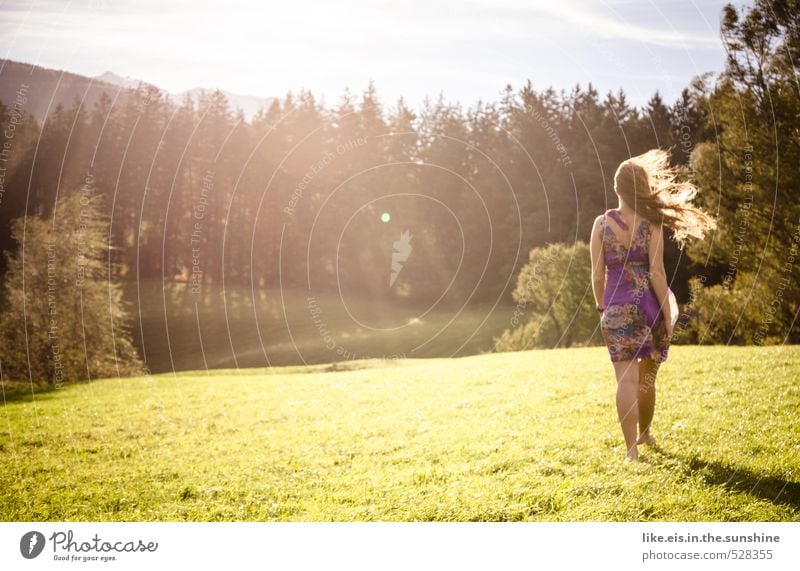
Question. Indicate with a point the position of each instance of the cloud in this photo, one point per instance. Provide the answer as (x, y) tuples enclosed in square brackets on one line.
[(584, 19)]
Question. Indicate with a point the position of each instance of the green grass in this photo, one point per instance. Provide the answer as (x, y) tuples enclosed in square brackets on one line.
[(518, 436)]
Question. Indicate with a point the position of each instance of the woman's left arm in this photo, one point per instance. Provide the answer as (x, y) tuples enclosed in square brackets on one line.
[(598, 262), (658, 275)]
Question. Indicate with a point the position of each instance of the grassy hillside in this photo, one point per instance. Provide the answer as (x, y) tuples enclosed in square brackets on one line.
[(176, 330), (521, 436)]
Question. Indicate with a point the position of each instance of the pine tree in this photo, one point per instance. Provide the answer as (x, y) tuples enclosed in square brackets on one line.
[(68, 321)]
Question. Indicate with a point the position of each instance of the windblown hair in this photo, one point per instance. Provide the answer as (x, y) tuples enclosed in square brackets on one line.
[(649, 185)]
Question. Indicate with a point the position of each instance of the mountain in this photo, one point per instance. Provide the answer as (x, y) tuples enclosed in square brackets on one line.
[(40, 90), (114, 79), (249, 104)]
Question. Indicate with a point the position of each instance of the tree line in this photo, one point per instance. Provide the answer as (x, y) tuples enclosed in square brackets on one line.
[(196, 193)]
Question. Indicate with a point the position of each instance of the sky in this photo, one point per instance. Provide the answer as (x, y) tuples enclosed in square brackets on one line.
[(466, 49)]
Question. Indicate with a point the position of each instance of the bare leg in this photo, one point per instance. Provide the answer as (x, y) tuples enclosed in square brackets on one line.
[(648, 369), (627, 403)]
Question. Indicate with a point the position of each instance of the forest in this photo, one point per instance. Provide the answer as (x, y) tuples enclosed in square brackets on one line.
[(196, 189), (312, 197)]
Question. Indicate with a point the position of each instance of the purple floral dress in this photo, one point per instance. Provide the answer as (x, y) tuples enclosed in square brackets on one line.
[(632, 323)]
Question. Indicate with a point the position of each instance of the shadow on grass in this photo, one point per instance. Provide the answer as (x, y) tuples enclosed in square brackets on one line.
[(771, 488), (22, 393), (360, 364)]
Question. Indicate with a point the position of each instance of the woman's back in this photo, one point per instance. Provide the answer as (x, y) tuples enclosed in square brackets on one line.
[(616, 250)]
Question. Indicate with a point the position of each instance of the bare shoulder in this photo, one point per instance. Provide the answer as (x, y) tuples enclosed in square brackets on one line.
[(598, 229)]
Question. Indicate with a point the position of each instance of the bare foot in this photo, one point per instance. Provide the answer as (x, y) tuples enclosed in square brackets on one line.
[(647, 439), (632, 455)]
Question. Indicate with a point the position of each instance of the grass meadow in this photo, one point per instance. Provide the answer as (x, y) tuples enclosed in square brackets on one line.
[(238, 327), (495, 437)]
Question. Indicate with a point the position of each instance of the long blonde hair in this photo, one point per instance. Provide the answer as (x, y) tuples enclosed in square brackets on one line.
[(650, 186)]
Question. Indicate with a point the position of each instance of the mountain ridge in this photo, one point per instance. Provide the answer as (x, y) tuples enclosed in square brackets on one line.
[(249, 104), (46, 88)]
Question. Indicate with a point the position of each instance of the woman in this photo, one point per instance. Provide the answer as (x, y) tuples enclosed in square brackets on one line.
[(630, 283)]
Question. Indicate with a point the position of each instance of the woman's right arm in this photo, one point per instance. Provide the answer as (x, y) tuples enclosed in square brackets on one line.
[(658, 275), (598, 262)]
